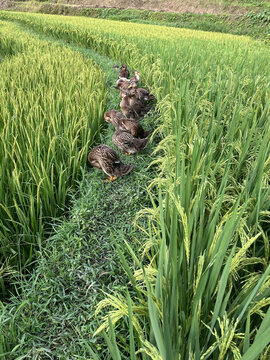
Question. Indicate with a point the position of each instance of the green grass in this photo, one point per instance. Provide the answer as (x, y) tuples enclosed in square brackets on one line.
[(56, 304)]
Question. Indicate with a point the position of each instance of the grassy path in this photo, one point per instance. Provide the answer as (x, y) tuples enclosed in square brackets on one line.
[(54, 314)]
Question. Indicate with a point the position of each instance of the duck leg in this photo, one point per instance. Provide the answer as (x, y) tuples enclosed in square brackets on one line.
[(111, 179)]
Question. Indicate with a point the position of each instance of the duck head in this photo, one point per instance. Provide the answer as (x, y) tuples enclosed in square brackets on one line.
[(107, 117)]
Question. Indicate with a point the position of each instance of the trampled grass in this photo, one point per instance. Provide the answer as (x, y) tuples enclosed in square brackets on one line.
[(52, 104), (202, 282)]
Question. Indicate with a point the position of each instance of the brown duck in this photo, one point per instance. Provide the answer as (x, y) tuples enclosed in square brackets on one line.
[(139, 93), (127, 110), (113, 115), (128, 143), (136, 77), (122, 84), (132, 106), (105, 158), (143, 94), (124, 73), (124, 124)]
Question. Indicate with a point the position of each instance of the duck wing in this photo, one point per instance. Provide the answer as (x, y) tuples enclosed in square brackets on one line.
[(110, 155), (109, 160), (126, 139)]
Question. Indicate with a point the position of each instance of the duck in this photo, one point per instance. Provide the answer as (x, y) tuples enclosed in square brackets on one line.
[(122, 84), (121, 123), (127, 110), (136, 76), (140, 93), (113, 114), (124, 73), (128, 143), (105, 158), (132, 106), (143, 94), (138, 100)]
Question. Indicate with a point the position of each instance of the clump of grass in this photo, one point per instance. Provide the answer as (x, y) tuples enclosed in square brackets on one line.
[(9, 46)]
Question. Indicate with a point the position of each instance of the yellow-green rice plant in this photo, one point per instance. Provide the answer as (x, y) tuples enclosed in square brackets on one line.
[(51, 107), (197, 307)]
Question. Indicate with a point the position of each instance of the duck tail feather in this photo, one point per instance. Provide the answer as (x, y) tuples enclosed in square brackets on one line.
[(146, 133), (143, 143), (125, 169)]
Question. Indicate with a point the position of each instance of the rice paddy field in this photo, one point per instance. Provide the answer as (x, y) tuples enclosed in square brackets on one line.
[(42, 147), (196, 283)]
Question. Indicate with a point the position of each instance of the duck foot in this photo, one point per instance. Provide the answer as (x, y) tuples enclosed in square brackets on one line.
[(112, 178), (127, 153)]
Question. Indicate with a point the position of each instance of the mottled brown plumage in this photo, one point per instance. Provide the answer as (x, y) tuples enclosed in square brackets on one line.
[(123, 73), (132, 106), (113, 115), (128, 143), (124, 124), (127, 110), (143, 94), (136, 77), (105, 158), (122, 84), (139, 94)]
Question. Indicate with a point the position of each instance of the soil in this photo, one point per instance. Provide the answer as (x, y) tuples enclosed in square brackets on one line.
[(3, 5), (176, 6)]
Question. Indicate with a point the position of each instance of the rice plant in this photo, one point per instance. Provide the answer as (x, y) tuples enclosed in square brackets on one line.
[(52, 104)]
